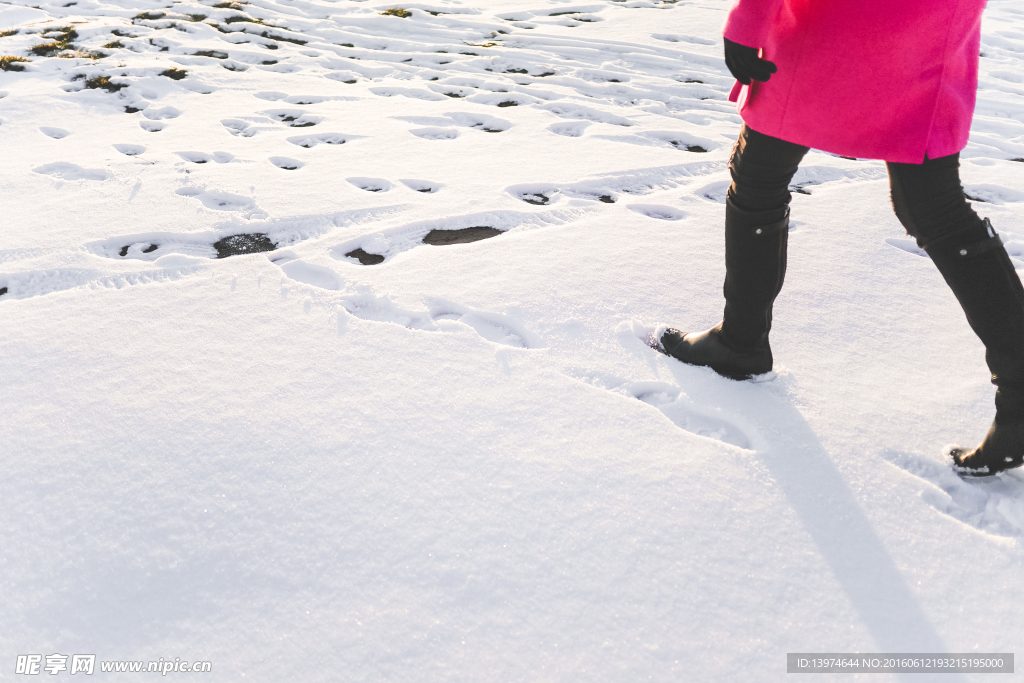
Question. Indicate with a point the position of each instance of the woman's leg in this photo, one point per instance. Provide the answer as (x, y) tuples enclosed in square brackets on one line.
[(930, 202), (756, 235)]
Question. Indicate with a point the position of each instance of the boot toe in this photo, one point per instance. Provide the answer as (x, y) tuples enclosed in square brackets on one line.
[(1002, 449), (707, 349), (669, 340)]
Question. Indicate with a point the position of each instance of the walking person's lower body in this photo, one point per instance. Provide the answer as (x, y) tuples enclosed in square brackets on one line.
[(929, 201)]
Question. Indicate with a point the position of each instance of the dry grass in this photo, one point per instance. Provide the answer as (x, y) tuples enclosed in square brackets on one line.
[(397, 12), (174, 74), (11, 63), (61, 42), (9, 32), (114, 45), (103, 83)]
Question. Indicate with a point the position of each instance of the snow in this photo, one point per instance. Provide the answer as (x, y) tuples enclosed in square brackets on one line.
[(381, 451)]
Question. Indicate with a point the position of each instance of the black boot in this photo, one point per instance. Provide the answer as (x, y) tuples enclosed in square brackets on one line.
[(755, 264), (985, 283), (710, 350)]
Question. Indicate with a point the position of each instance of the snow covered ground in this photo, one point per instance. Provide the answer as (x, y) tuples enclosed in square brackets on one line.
[(373, 455)]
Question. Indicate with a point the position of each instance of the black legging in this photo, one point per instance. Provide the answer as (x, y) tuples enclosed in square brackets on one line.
[(928, 198)]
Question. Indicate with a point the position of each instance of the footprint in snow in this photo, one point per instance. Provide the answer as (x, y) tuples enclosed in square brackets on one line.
[(481, 122), (203, 157), (714, 192), (994, 505), (286, 163), (572, 129), (543, 194), (248, 237), (435, 133), (295, 118), (370, 250), (309, 141), (664, 213), (371, 184), (222, 201), (159, 114), (68, 171), (25, 285), (55, 133), (152, 246), (424, 186), (441, 315), (702, 420), (130, 150), (991, 194)]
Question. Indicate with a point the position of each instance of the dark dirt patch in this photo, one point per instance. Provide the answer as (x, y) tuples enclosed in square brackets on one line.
[(150, 249), (174, 74), (440, 238), (365, 258), (607, 199), (508, 103), (3, 290), (246, 243), (131, 110), (536, 198)]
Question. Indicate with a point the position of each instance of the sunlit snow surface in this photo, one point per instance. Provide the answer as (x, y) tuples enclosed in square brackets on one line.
[(323, 356)]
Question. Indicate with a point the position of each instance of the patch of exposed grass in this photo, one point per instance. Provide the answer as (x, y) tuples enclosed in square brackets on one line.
[(10, 32), (271, 36), (64, 34), (174, 74), (241, 17), (216, 54), (11, 63), (196, 17), (81, 54), (46, 49), (114, 45), (397, 12), (121, 34), (61, 38), (103, 83), (149, 16), (229, 5)]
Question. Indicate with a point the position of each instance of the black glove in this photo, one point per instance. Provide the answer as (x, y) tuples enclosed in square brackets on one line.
[(744, 63)]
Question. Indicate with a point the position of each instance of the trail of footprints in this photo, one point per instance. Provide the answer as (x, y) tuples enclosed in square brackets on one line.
[(440, 316)]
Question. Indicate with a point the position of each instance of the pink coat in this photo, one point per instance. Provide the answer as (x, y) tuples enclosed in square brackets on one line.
[(875, 79)]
